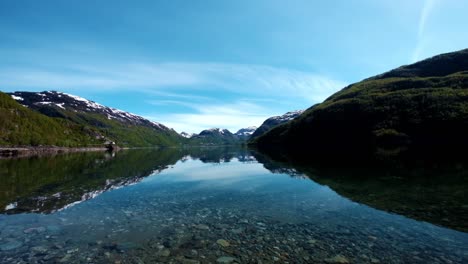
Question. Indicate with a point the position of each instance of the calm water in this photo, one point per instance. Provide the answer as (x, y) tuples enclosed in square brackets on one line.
[(225, 206)]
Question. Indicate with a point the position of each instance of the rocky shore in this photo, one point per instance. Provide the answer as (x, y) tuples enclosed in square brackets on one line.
[(21, 152)]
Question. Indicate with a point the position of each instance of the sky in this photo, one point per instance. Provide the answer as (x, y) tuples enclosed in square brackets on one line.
[(193, 65)]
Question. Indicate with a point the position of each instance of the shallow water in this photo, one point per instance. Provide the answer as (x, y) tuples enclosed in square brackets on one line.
[(209, 206)]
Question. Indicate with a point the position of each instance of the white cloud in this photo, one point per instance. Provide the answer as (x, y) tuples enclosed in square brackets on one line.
[(103, 77), (423, 18), (425, 12), (230, 116)]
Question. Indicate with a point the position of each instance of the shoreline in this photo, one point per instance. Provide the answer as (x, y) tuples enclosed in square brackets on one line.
[(23, 152), (32, 151)]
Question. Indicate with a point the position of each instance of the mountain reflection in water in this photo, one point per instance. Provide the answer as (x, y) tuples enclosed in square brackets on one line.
[(209, 205)]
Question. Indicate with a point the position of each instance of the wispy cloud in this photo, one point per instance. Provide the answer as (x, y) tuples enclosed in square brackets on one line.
[(103, 77), (428, 7), (158, 78), (425, 12)]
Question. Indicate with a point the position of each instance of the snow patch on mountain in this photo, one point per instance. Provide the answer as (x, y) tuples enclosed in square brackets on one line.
[(218, 130), (246, 132), (17, 98), (187, 135), (288, 116), (275, 121)]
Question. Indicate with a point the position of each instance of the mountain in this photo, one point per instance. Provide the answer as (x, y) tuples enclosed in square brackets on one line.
[(187, 135), (107, 123), (245, 133), (275, 121), (214, 136), (21, 126), (414, 111), (218, 136)]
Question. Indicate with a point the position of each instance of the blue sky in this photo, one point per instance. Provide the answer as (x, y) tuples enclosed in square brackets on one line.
[(198, 64)]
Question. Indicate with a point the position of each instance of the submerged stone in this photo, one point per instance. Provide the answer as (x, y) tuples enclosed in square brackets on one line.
[(225, 259), (338, 259), (165, 253), (237, 231), (39, 250), (54, 229), (189, 261), (202, 227), (223, 242), (65, 259), (10, 245), (34, 230)]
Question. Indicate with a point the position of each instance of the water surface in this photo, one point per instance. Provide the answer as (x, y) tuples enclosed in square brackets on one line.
[(221, 205)]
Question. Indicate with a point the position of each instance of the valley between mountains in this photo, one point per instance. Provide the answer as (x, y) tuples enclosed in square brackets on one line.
[(52, 118)]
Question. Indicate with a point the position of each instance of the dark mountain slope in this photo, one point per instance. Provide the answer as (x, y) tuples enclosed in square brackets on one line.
[(415, 110)]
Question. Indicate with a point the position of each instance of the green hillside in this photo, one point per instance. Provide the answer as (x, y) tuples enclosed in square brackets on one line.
[(126, 135), (419, 109), (22, 126), (84, 118)]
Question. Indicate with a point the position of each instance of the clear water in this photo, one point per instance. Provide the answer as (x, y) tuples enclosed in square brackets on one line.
[(216, 206)]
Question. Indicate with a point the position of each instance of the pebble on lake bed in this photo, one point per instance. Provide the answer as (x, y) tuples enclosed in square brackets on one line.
[(338, 259), (10, 245), (223, 242), (165, 253), (225, 259), (202, 227)]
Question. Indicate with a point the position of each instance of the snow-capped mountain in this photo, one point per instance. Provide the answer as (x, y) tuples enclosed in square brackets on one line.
[(219, 136), (246, 132), (275, 121), (215, 136), (75, 103), (100, 121), (215, 131), (187, 135)]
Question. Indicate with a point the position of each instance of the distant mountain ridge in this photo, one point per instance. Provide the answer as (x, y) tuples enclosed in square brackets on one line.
[(219, 136), (42, 100), (246, 133), (215, 131), (214, 136)]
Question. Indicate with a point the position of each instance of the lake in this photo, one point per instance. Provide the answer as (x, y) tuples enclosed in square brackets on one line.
[(226, 205)]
